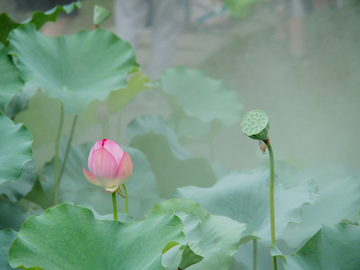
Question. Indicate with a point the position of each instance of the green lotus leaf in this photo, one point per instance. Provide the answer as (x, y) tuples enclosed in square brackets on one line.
[(201, 105), (339, 196), (217, 236), (6, 239), (192, 254), (170, 171), (69, 237), (76, 69), (221, 241), (11, 216), (10, 82), (197, 95), (15, 191), (38, 19), (15, 145), (331, 248), (244, 197), (142, 188), (193, 232)]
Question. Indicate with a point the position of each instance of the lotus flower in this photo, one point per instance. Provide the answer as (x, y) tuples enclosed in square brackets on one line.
[(109, 166)]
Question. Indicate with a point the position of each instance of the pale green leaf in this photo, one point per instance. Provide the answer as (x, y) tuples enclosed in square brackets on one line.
[(331, 248), (201, 96), (245, 197)]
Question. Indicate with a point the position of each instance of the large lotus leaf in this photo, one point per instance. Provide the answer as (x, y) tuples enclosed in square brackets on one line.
[(149, 123), (38, 19), (221, 241), (76, 69), (6, 239), (170, 171), (15, 191), (245, 197), (220, 235), (11, 216), (15, 149), (200, 96), (331, 248), (191, 214), (10, 82), (69, 237), (142, 188), (339, 196)]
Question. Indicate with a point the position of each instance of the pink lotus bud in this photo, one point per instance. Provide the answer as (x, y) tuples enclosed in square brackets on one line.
[(109, 166)]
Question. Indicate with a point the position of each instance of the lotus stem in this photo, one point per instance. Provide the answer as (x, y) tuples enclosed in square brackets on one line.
[(126, 199), (114, 205), (56, 164), (67, 149), (255, 254), (271, 195)]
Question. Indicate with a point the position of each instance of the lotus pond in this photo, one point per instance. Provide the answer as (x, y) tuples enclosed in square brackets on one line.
[(264, 195)]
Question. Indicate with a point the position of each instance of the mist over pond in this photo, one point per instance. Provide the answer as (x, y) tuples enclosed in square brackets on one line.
[(313, 105)]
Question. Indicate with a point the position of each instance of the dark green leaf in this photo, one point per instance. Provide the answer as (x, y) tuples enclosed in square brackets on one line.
[(10, 82), (19, 189), (38, 19), (75, 69), (15, 149), (11, 216), (69, 237), (6, 239)]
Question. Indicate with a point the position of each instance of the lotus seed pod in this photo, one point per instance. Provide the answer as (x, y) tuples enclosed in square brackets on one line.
[(255, 125)]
